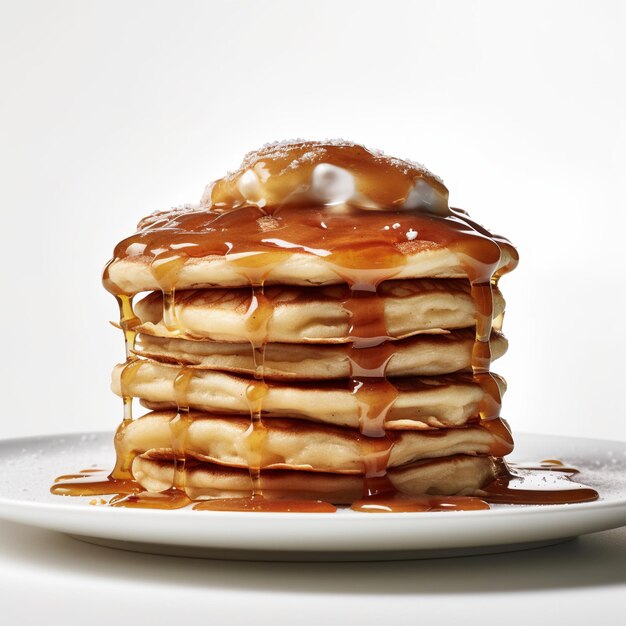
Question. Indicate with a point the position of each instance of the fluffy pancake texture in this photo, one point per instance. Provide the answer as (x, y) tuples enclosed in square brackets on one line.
[(133, 274), (313, 315), (422, 355), (296, 445), (420, 403), (457, 475)]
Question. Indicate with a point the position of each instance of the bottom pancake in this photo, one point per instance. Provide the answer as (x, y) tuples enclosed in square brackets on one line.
[(455, 475)]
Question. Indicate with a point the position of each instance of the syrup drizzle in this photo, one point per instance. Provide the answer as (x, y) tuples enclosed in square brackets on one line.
[(363, 229), (128, 322), (258, 316), (179, 425), (370, 352)]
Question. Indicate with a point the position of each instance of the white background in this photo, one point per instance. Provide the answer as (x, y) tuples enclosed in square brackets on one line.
[(110, 110)]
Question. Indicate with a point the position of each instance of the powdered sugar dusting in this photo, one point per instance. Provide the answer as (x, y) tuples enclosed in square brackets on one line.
[(163, 219), (307, 157), (316, 149)]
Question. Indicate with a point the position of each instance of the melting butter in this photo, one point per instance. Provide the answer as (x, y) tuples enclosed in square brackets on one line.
[(327, 174)]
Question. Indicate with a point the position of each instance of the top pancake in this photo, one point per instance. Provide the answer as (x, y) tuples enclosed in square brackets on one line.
[(310, 214)]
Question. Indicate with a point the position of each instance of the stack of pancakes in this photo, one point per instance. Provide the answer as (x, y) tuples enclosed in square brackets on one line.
[(294, 364)]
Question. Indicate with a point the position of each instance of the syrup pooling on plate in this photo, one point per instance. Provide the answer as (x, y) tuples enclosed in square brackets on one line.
[(261, 504), (168, 500), (546, 483), (362, 215), (92, 482), (396, 503)]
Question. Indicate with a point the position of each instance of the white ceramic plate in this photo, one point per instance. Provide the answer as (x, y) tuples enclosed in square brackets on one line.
[(28, 467)]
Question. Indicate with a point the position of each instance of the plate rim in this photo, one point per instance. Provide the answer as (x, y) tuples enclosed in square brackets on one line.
[(278, 536)]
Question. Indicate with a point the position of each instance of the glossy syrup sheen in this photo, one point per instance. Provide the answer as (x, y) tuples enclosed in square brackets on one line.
[(362, 213)]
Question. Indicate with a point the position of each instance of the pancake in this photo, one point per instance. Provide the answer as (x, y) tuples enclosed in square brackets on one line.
[(422, 355), (320, 325), (297, 445), (457, 475), (311, 213), (420, 403), (134, 274), (316, 315)]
